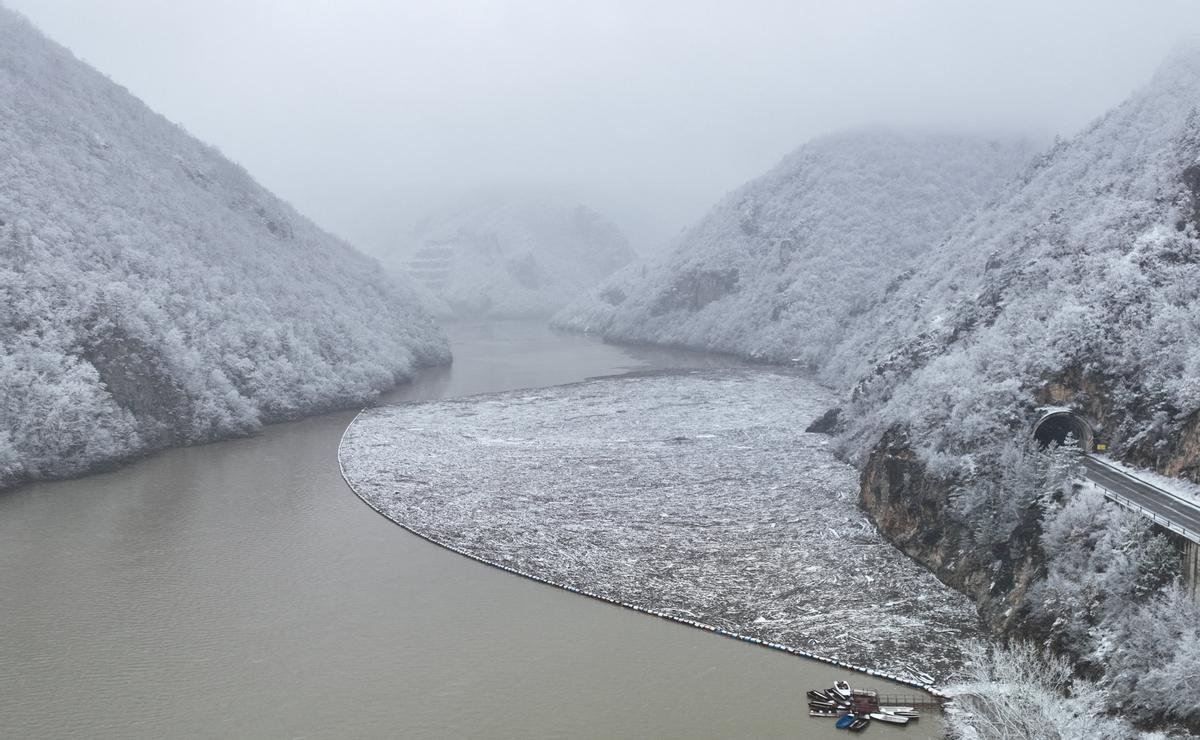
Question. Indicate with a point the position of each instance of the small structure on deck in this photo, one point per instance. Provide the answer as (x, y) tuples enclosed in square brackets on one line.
[(854, 709)]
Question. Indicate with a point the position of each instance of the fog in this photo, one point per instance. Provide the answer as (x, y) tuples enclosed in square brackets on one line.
[(365, 113)]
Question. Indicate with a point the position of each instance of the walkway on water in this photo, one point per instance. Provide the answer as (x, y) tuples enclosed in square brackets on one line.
[(1168, 510)]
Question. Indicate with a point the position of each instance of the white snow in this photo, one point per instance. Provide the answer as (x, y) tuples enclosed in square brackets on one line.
[(696, 495), (1089, 262), (777, 269), (152, 293)]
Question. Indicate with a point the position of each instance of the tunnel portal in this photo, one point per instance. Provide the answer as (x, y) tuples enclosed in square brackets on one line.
[(1054, 427)]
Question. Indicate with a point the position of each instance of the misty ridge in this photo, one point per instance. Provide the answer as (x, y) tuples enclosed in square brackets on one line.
[(922, 271), (509, 255), (154, 294), (944, 284), (1074, 281)]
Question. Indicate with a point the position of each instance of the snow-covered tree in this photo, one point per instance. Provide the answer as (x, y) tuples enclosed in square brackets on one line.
[(1021, 692), (781, 267), (151, 293)]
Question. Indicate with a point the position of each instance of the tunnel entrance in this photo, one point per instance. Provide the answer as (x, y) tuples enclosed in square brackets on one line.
[(1055, 426)]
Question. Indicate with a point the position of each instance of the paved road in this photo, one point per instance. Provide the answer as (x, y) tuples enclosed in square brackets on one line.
[(1146, 497)]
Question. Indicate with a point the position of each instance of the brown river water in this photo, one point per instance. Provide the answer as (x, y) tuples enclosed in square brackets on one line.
[(240, 589)]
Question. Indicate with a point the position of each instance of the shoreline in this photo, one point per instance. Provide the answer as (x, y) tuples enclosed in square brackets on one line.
[(930, 688)]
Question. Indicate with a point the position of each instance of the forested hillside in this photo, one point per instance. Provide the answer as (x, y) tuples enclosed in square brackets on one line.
[(506, 256), (950, 291), (1079, 287), (781, 266), (152, 294), (1089, 264)]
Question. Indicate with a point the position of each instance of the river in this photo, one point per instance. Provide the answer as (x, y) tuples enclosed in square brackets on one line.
[(241, 589)]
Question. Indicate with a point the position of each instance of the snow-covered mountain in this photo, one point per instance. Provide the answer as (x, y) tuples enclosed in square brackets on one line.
[(1087, 266), (504, 256), (1079, 286), (152, 294), (783, 265)]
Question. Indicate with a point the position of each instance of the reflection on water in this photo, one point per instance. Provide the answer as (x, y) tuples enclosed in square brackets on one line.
[(241, 589)]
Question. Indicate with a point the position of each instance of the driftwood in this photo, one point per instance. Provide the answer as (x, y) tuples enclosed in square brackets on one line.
[(695, 495)]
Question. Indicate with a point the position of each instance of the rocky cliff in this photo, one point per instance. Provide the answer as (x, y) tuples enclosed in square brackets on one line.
[(915, 510), (1078, 286)]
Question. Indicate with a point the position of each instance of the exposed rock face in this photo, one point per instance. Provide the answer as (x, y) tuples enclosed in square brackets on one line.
[(913, 509), (1191, 178), (1182, 456), (694, 290), (826, 423), (138, 381), (1145, 433)]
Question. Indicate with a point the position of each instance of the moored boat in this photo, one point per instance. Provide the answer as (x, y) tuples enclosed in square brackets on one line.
[(842, 688), (894, 719), (859, 724), (845, 721)]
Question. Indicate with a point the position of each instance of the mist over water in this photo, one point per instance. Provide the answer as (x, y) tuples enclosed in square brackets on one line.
[(367, 113), (513, 159)]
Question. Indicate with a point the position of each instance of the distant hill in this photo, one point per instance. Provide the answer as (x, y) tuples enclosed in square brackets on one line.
[(511, 256), (152, 294), (783, 265)]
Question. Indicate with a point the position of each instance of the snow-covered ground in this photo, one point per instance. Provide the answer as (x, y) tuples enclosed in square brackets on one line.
[(696, 495)]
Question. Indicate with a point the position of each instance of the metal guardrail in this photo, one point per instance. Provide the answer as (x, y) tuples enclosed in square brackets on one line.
[(1148, 484), (1148, 513), (1156, 518)]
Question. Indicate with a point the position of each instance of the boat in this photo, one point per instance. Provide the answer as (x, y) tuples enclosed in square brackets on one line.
[(826, 713), (901, 712), (825, 705), (819, 696), (845, 721), (859, 724), (894, 719), (842, 688)]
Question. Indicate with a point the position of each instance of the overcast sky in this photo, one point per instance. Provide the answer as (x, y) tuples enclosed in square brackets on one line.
[(363, 113)]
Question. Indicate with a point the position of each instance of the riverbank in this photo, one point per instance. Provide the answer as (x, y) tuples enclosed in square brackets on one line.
[(691, 496), (240, 589)]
